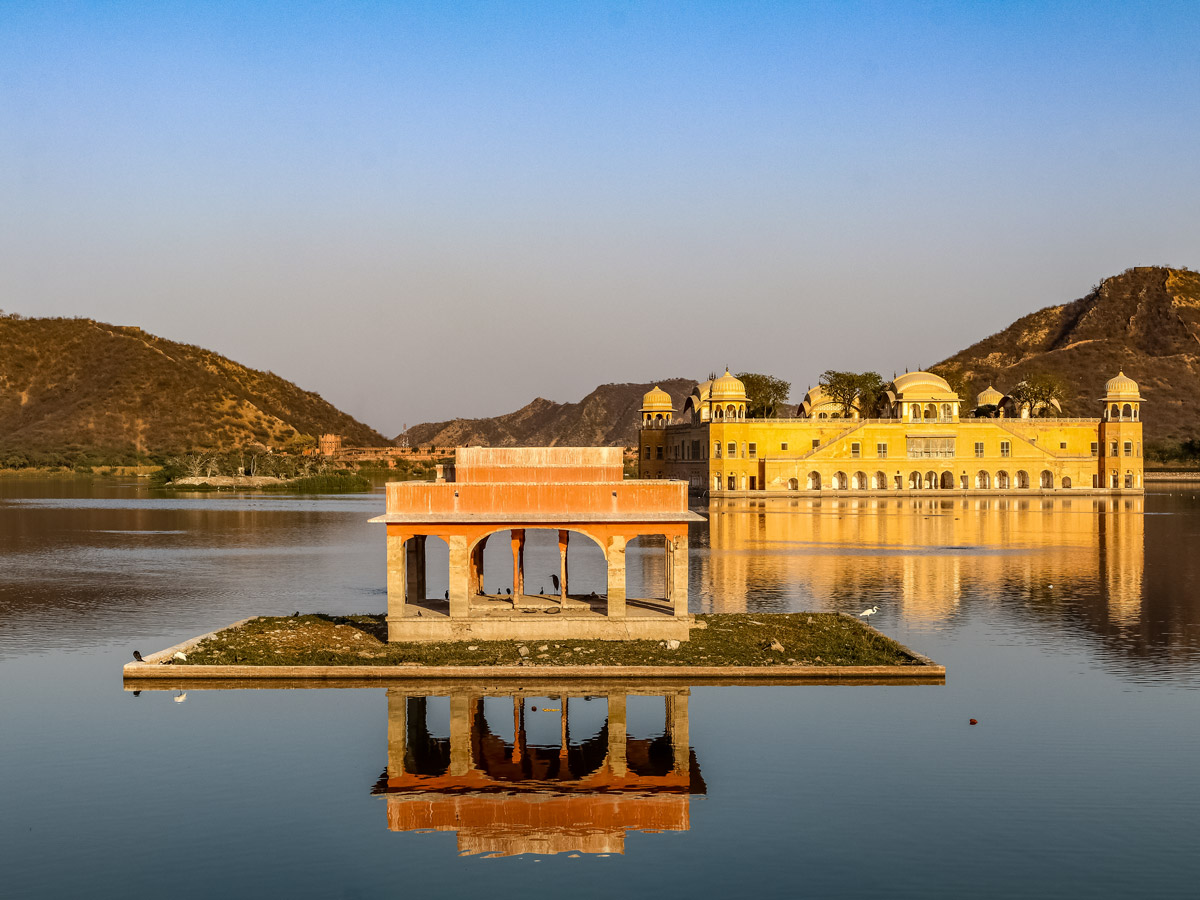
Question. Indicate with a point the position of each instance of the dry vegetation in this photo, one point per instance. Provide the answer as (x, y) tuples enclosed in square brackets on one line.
[(811, 639), (67, 384)]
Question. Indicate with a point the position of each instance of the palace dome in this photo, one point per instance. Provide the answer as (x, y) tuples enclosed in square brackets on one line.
[(656, 400), (1122, 386), (921, 383), (990, 397), (727, 387)]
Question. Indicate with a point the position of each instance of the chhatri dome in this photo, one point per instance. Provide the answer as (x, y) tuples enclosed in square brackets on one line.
[(656, 400), (1122, 387), (728, 387), (990, 397), (915, 384)]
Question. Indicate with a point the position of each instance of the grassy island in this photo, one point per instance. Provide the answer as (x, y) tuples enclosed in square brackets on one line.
[(792, 639)]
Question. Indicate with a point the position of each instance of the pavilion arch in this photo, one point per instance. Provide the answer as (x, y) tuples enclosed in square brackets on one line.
[(1127, 411), (814, 481), (840, 482), (427, 752), (793, 484), (858, 481), (931, 411), (1066, 482), (1046, 481), (533, 557), (1022, 480), (1002, 480), (914, 481), (931, 481), (879, 482), (1116, 411), (983, 481), (947, 411), (822, 415), (947, 481)]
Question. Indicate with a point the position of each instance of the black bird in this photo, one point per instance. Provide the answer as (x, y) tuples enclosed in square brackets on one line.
[(554, 581), (295, 614), (138, 656), (447, 593), (508, 591), (541, 590)]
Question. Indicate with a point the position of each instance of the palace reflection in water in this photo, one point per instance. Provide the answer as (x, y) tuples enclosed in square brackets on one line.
[(515, 772), (925, 554)]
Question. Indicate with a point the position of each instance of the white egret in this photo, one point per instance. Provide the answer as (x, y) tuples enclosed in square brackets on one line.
[(867, 613)]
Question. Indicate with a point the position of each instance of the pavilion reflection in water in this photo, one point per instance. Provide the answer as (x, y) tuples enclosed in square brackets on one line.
[(526, 793), (924, 553)]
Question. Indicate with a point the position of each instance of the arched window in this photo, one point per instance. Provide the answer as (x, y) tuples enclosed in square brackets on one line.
[(1116, 411), (1022, 480), (1127, 411), (1066, 482), (822, 415), (931, 411), (733, 482), (839, 481), (814, 481), (879, 482), (983, 481), (947, 481), (793, 484), (1047, 481), (1128, 480), (860, 481), (946, 414), (1002, 480), (914, 481)]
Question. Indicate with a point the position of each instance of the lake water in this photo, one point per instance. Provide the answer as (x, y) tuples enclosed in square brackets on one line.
[(1070, 630)]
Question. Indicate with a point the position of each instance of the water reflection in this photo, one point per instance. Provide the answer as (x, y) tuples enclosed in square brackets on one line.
[(513, 773)]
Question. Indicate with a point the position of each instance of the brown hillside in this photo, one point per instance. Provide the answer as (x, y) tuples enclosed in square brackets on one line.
[(607, 416), (1145, 321), (80, 383)]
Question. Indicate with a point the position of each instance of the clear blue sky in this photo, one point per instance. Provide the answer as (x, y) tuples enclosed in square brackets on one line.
[(431, 210)]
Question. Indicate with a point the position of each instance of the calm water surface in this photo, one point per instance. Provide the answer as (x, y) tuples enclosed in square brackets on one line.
[(1070, 629)]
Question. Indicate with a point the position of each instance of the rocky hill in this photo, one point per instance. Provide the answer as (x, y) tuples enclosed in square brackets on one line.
[(1145, 321), (80, 383), (606, 416)]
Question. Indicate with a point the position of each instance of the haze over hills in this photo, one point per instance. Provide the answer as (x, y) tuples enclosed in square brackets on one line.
[(81, 383), (1145, 321), (607, 416)]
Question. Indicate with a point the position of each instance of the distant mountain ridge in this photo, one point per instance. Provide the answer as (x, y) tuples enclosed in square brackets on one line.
[(1145, 321), (82, 383), (608, 416)]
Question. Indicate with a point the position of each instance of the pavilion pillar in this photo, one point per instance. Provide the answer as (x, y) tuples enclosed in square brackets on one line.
[(616, 576), (461, 706), (564, 735), (616, 734), (460, 577), (415, 568), (677, 728), (517, 540), (518, 726), (564, 538), (396, 577), (475, 584), (677, 574), (397, 731)]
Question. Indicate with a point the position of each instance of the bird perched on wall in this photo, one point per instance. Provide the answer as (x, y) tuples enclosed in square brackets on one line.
[(867, 613), (554, 581), (447, 593), (508, 591), (138, 656), (541, 590)]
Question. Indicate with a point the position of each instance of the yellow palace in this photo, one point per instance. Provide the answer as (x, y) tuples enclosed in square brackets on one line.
[(924, 444)]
